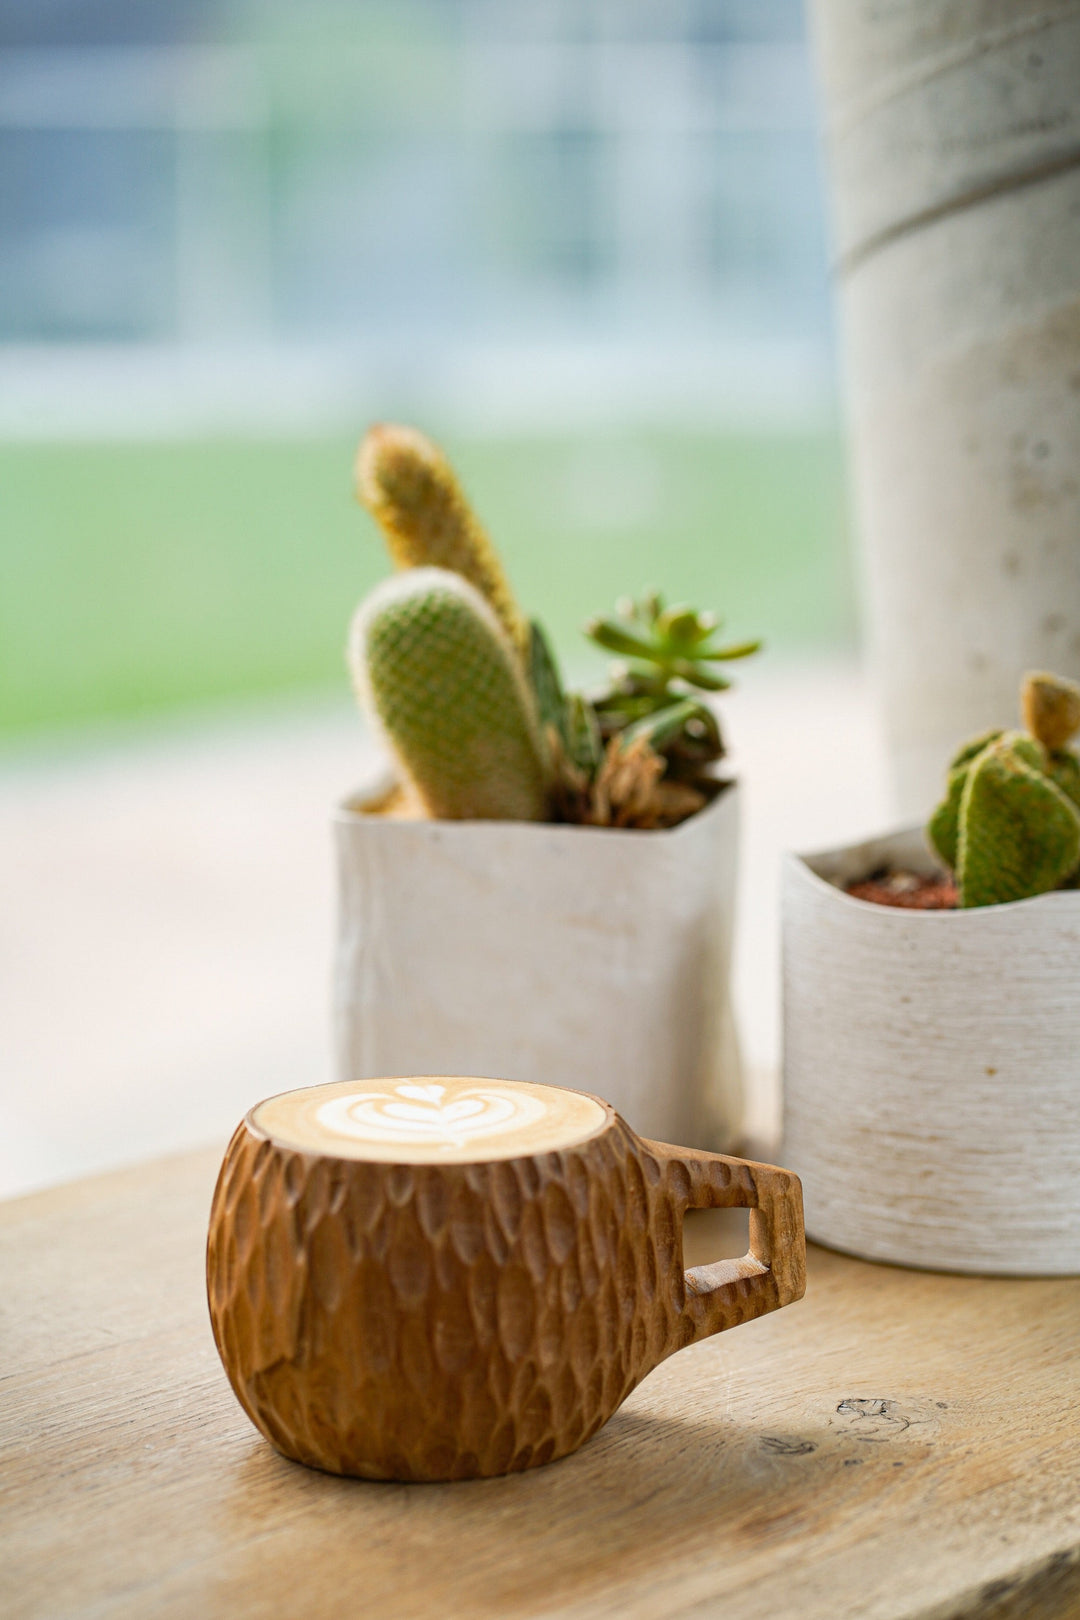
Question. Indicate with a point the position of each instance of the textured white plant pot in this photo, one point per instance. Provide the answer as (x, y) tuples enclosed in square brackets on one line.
[(954, 141), (932, 1070), (572, 956)]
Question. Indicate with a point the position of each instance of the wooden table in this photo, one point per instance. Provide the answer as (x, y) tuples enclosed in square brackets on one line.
[(898, 1444)]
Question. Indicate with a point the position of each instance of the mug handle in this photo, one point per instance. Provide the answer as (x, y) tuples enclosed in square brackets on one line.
[(773, 1273)]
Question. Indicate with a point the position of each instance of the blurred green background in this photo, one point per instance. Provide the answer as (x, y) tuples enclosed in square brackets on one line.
[(142, 577), (585, 240)]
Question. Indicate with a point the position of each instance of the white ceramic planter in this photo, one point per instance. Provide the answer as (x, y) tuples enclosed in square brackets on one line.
[(573, 956), (952, 132), (932, 1070)]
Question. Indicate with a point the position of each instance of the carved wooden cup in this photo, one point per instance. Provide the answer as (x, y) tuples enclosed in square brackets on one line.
[(443, 1278)]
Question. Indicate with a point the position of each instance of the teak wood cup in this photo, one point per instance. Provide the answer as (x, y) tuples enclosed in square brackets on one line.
[(444, 1278)]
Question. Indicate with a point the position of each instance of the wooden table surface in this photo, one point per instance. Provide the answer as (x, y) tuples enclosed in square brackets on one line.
[(896, 1445)]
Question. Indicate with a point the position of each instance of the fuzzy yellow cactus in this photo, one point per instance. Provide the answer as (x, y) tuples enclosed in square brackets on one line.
[(1050, 706), (409, 487)]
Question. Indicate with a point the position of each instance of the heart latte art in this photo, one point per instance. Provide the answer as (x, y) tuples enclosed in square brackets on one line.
[(422, 1111), (429, 1119)]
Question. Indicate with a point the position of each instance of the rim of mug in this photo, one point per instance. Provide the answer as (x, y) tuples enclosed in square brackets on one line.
[(611, 1118)]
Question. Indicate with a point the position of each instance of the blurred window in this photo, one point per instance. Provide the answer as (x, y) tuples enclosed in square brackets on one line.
[(300, 175)]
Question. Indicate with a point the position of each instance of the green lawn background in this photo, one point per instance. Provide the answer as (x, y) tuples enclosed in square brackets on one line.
[(137, 578)]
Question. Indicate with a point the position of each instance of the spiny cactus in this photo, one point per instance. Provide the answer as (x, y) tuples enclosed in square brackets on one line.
[(1009, 825), (468, 692), (436, 670), (1050, 707), (411, 490)]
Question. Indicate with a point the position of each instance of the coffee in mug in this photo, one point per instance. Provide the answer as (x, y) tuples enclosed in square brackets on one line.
[(445, 1277)]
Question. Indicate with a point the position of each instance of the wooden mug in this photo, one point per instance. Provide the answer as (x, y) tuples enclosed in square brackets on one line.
[(444, 1278)]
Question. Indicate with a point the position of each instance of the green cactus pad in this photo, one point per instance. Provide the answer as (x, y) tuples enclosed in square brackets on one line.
[(970, 750), (436, 671), (1019, 834), (1064, 771), (943, 828)]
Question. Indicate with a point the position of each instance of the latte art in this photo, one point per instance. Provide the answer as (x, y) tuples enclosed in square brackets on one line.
[(429, 1119), (418, 1111)]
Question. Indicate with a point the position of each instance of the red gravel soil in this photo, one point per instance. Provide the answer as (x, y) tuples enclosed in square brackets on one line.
[(907, 890)]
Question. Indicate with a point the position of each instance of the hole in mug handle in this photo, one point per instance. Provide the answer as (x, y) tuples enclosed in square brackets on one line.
[(773, 1272), (715, 1234)]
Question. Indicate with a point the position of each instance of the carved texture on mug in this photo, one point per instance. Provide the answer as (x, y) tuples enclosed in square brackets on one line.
[(441, 1321)]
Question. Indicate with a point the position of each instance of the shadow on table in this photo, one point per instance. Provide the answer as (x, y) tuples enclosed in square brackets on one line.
[(609, 1516)]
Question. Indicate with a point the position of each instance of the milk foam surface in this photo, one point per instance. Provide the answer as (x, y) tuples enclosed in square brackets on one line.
[(433, 1119)]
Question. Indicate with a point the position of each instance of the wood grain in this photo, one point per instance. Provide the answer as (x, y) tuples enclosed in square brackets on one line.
[(455, 1320), (897, 1445)]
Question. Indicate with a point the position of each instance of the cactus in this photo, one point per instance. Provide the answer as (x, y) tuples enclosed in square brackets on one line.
[(1051, 709), (435, 669), (1019, 834), (468, 692), (410, 489), (1009, 824)]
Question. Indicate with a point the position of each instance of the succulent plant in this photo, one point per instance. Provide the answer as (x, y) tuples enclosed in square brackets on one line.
[(673, 653), (1009, 825), (436, 671), (412, 492), (468, 693), (551, 701)]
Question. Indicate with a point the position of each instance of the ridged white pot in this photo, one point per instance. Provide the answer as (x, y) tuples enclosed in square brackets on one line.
[(954, 143), (932, 1070), (573, 956)]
